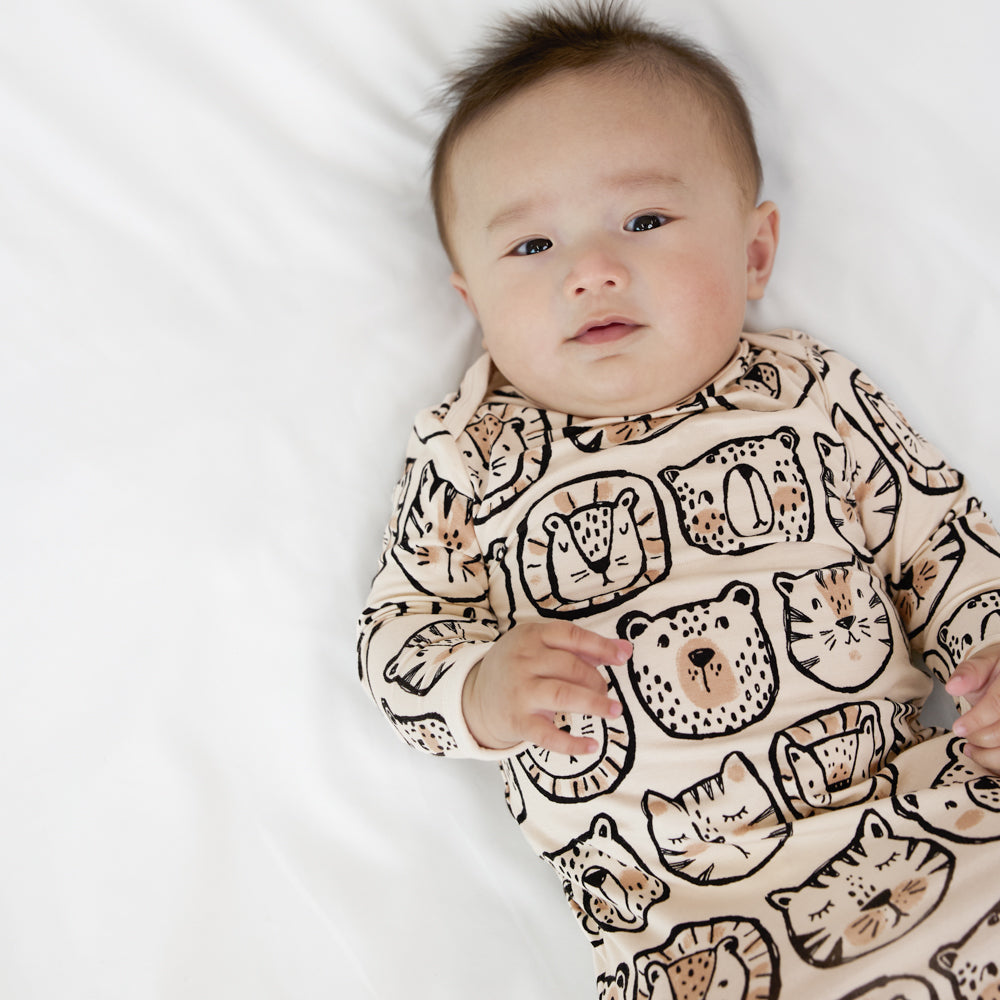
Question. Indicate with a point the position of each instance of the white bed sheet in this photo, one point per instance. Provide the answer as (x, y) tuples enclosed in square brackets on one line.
[(222, 301)]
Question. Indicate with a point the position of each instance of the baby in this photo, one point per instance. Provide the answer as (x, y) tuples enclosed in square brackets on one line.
[(670, 574)]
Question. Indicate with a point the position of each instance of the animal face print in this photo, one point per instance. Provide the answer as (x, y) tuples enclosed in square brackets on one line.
[(861, 487), (438, 535), (969, 625), (607, 885), (592, 439), (613, 986), (507, 449), (924, 466), (423, 732), (894, 988), (426, 656), (923, 580), (743, 495), (703, 669), (837, 625), (973, 965), (962, 803), (592, 544), (569, 778), (719, 830), (832, 759), (867, 896), (727, 959)]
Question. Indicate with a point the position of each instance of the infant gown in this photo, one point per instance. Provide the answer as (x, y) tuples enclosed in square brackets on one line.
[(792, 564)]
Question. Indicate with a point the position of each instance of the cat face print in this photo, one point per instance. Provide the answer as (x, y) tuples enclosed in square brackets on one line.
[(437, 537), (743, 495), (703, 669), (718, 830), (607, 885), (867, 896), (973, 965), (837, 625), (861, 487)]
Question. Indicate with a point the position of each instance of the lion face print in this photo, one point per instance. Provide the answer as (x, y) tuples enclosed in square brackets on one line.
[(832, 759), (608, 886), (867, 896), (924, 466), (743, 495), (718, 830), (728, 959), (703, 669), (507, 449), (837, 625), (973, 964), (591, 544)]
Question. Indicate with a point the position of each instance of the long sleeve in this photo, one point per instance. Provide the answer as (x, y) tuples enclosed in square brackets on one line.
[(428, 619), (932, 543)]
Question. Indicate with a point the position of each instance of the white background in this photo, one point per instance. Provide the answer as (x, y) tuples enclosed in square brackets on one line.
[(221, 302)]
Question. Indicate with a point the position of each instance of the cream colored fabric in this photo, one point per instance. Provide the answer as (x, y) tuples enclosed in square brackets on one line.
[(769, 809)]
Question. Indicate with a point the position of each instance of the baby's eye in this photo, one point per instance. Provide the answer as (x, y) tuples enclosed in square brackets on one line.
[(646, 221), (537, 245)]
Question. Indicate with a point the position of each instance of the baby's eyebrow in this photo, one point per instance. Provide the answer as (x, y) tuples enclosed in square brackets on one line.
[(625, 181)]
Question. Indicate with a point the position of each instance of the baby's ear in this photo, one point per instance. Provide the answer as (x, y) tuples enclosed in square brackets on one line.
[(762, 244), (460, 286)]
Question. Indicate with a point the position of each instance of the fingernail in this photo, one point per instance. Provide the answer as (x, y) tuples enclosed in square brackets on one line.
[(960, 728), (615, 710), (624, 649)]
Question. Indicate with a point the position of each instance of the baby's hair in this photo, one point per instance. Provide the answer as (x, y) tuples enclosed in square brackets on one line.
[(525, 48)]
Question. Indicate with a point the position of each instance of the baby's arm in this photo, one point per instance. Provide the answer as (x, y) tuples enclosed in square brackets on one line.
[(977, 680), (533, 672)]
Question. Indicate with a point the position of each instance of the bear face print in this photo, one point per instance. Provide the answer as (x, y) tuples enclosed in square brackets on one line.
[(703, 669), (743, 495), (607, 885)]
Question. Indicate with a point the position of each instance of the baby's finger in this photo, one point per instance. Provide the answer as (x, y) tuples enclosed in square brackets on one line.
[(557, 695), (982, 718), (542, 732), (986, 757), (590, 646)]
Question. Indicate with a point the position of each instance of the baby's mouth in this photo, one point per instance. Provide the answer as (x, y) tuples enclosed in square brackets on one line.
[(605, 332)]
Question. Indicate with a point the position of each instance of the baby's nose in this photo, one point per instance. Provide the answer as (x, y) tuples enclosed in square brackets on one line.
[(596, 269)]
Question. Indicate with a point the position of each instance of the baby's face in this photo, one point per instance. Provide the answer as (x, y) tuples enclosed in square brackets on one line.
[(603, 242)]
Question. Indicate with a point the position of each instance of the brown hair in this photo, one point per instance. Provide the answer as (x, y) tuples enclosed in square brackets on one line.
[(524, 49)]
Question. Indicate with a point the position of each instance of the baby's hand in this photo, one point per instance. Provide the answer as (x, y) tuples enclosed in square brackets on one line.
[(977, 679), (534, 671)]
